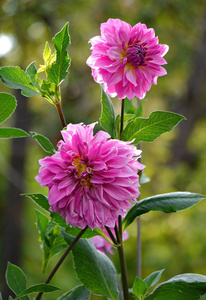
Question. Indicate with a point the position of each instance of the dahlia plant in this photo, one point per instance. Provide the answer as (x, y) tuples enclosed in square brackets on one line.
[(94, 180)]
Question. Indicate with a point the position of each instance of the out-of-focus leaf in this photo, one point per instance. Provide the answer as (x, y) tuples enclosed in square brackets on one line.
[(79, 292), (7, 106)]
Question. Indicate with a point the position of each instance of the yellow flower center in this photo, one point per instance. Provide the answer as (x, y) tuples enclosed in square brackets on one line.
[(81, 167)]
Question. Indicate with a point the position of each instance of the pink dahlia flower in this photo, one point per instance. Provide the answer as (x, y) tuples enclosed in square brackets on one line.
[(91, 179), (102, 245), (126, 59)]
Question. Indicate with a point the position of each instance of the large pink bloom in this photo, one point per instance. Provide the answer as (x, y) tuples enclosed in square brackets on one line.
[(91, 179), (126, 59)]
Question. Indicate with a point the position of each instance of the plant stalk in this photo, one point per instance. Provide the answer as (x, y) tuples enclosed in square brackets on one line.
[(60, 112), (62, 259)]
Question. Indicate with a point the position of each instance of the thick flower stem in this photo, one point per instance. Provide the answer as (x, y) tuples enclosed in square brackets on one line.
[(122, 118), (62, 259), (122, 259), (60, 112)]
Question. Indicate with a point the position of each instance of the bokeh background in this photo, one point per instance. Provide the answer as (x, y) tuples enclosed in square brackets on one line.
[(175, 161)]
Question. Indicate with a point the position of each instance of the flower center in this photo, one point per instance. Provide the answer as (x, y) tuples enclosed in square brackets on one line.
[(82, 171), (135, 55)]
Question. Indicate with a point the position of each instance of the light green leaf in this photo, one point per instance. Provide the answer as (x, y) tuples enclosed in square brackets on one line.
[(107, 119), (203, 297), (6, 133), (167, 203), (7, 106), (79, 292), (94, 268), (180, 287), (44, 142), (148, 130), (139, 288), (31, 71), (153, 278), (47, 53), (41, 287), (59, 68), (42, 223), (16, 279), (40, 200), (48, 87), (16, 78)]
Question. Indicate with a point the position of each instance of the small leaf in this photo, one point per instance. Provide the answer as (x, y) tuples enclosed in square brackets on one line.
[(167, 203), (31, 71), (153, 278), (139, 287), (7, 106), (16, 78), (107, 119), (16, 279), (40, 200), (143, 178), (148, 130), (59, 68), (180, 287), (79, 292), (44, 142), (47, 53), (42, 223), (41, 287), (6, 133), (94, 268), (48, 87)]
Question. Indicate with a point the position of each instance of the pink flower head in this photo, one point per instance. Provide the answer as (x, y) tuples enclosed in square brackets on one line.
[(91, 179), (126, 59), (102, 245)]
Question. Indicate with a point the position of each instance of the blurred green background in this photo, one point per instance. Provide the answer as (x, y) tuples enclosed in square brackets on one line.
[(175, 161)]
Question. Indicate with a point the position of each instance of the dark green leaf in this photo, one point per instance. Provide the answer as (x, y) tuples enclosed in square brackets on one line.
[(94, 268), (39, 199), (180, 287), (78, 293), (16, 279), (44, 142), (6, 133), (41, 287), (139, 287), (107, 119), (148, 130), (16, 78), (167, 203), (7, 106), (153, 278), (58, 70)]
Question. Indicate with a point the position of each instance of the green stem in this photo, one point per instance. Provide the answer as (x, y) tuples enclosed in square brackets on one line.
[(122, 118), (60, 112), (122, 263), (62, 259)]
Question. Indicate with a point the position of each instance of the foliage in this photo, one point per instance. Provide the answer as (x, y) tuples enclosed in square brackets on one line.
[(100, 279)]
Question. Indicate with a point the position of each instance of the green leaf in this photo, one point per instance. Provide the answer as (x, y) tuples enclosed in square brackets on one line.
[(6, 133), (58, 70), (79, 292), (128, 106), (1, 296), (16, 78), (47, 53), (42, 223), (203, 297), (31, 71), (139, 287), (41, 287), (16, 279), (107, 119), (153, 278), (148, 130), (180, 287), (48, 87), (40, 200), (7, 106), (94, 268), (167, 203), (44, 142)]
